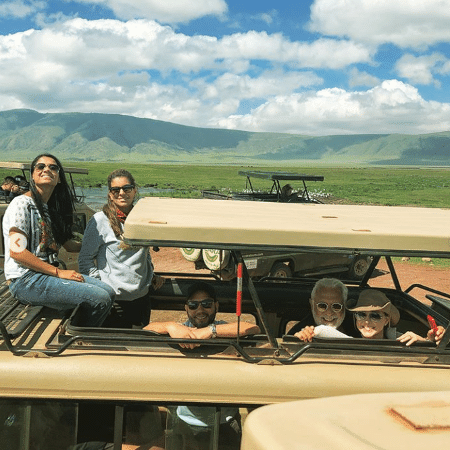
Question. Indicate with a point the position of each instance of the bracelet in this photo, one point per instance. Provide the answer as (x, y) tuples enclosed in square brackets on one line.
[(57, 274)]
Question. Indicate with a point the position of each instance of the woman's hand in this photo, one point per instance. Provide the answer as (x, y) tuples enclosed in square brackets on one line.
[(157, 281), (72, 246), (70, 275), (436, 337), (409, 338)]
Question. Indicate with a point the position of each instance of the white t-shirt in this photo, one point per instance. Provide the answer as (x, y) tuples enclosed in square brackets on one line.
[(23, 214)]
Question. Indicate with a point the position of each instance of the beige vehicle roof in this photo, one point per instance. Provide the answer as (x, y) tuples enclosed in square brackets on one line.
[(408, 420), (208, 223)]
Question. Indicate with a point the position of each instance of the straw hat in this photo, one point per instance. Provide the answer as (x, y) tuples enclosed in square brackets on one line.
[(373, 300)]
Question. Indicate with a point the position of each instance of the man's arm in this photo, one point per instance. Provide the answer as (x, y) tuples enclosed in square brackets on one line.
[(174, 330), (227, 330)]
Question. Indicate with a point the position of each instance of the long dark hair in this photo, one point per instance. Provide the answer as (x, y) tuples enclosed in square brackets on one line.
[(110, 209), (60, 204)]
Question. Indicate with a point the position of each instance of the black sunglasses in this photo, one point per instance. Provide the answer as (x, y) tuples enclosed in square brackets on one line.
[(42, 166), (194, 304), (336, 307), (127, 188), (376, 317)]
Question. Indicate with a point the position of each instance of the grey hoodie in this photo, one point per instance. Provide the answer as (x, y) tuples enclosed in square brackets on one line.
[(128, 272)]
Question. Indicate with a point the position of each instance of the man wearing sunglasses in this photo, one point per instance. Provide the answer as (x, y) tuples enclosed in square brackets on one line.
[(201, 308), (196, 424), (327, 302)]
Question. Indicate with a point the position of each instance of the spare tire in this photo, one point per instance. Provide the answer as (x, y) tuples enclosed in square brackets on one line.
[(192, 254), (359, 267), (281, 270), (215, 259)]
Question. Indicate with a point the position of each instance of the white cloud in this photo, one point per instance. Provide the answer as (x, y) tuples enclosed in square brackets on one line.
[(322, 53), (358, 78), (20, 8), (230, 90), (142, 68), (169, 11), (391, 107), (406, 23), (105, 47), (420, 69), (268, 17), (270, 83)]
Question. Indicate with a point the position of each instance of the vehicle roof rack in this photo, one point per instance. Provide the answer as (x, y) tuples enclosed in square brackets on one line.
[(26, 167), (281, 176)]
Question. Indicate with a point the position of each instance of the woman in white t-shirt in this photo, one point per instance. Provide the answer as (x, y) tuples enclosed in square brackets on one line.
[(35, 226)]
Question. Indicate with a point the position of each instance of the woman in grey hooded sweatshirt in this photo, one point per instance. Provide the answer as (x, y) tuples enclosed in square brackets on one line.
[(104, 255)]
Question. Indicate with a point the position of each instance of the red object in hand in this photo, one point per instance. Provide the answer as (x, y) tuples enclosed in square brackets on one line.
[(432, 323)]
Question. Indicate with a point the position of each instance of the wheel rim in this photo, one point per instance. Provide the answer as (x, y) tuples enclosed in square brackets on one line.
[(360, 267)]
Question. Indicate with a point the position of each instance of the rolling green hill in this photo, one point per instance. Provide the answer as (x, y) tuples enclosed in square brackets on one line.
[(113, 137)]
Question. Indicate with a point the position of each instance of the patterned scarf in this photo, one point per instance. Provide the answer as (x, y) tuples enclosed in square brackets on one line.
[(121, 216), (47, 242)]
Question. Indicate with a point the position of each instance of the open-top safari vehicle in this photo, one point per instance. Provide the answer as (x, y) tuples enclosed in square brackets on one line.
[(77, 386), (280, 190), (277, 263)]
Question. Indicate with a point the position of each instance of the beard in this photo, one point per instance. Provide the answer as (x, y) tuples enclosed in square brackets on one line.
[(334, 321), (202, 320)]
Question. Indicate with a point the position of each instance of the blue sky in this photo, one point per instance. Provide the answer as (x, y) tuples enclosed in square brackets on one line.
[(311, 67)]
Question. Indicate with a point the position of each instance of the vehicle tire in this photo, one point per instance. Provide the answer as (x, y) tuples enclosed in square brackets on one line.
[(215, 259), (281, 270), (359, 267), (192, 254)]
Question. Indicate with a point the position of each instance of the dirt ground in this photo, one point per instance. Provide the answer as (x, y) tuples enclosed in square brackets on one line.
[(171, 260)]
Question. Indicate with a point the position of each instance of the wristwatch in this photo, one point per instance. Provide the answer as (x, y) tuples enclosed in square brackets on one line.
[(213, 330)]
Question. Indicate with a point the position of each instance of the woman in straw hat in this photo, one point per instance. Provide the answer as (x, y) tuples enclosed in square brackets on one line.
[(375, 316)]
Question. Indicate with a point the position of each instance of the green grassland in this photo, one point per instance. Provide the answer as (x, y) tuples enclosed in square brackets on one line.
[(389, 186), (381, 186)]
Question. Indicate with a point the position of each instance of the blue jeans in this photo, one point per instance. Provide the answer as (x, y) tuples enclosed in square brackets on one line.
[(38, 289)]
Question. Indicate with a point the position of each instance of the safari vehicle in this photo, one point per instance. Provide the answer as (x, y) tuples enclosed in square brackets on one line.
[(277, 264), (280, 190), (81, 216), (71, 387)]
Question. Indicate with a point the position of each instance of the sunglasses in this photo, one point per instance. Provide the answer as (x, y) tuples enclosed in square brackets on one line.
[(194, 304), (374, 316), (336, 307), (127, 188), (42, 166)]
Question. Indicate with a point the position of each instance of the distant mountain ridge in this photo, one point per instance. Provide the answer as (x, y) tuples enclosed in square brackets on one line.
[(114, 137)]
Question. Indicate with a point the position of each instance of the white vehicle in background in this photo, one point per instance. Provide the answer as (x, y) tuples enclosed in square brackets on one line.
[(276, 264)]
